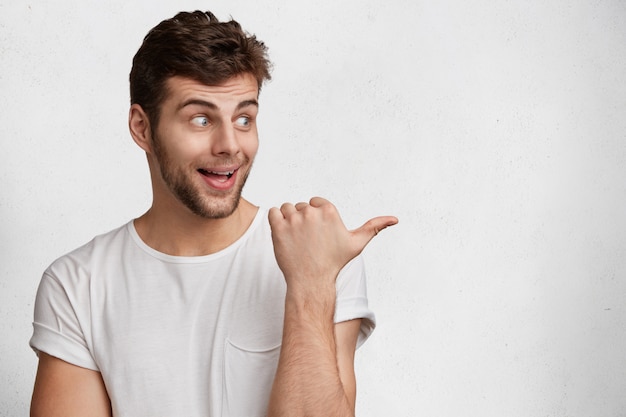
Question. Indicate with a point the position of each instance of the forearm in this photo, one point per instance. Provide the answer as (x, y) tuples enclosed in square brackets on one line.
[(315, 375), (307, 381)]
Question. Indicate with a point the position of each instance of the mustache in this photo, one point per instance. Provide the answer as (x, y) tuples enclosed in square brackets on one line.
[(222, 162)]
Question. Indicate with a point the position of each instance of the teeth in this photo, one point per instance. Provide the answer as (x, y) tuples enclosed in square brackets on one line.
[(225, 173)]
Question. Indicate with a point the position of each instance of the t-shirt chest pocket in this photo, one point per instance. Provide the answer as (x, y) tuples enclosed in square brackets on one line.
[(247, 379)]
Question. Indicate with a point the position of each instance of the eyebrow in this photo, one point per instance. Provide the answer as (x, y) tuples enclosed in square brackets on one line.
[(213, 106), (247, 103)]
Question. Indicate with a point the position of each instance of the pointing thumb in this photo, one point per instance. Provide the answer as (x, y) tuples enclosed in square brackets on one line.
[(371, 228)]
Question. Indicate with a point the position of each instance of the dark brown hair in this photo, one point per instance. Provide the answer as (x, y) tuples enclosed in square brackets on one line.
[(195, 45)]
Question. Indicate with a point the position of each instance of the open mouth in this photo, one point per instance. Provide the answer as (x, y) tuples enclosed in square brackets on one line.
[(226, 174), (221, 176)]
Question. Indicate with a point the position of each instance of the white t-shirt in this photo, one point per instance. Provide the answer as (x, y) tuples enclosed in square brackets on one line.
[(177, 336)]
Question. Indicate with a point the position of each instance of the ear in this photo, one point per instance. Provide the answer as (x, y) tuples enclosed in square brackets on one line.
[(139, 127)]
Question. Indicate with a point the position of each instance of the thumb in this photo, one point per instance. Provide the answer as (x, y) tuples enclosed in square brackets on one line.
[(370, 228)]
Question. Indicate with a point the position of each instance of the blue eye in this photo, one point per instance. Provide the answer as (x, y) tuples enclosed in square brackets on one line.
[(200, 121), (243, 121)]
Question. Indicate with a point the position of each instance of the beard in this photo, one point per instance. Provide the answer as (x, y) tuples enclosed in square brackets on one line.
[(181, 184)]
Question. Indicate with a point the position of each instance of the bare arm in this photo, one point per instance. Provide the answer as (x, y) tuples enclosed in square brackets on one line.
[(346, 335), (315, 375), (65, 390)]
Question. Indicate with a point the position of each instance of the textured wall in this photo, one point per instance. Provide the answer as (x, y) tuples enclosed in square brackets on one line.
[(495, 131)]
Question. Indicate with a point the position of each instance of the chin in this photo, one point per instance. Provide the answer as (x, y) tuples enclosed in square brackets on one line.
[(215, 210)]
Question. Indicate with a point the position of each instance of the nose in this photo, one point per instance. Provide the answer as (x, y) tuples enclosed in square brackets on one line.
[(225, 141)]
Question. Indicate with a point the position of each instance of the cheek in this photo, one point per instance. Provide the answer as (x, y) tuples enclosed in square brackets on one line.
[(182, 154), (181, 157), (250, 147)]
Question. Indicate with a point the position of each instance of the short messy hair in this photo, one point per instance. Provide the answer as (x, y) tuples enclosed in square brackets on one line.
[(198, 46)]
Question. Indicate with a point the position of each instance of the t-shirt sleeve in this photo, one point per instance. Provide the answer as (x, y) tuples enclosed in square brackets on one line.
[(57, 328), (352, 298)]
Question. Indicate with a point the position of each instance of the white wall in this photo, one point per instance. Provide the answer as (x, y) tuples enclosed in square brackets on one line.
[(495, 131)]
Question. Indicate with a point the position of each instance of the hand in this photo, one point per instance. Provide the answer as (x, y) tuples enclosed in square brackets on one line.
[(312, 244)]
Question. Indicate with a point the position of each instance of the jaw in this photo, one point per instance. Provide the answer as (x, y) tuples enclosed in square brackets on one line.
[(208, 190), (212, 195)]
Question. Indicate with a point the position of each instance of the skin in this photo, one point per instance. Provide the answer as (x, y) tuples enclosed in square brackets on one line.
[(229, 141), (315, 375), (206, 129)]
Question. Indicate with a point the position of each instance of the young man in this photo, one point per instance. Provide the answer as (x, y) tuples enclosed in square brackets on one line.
[(201, 306)]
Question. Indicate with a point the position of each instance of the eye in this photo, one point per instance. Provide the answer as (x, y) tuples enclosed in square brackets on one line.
[(243, 121), (201, 121)]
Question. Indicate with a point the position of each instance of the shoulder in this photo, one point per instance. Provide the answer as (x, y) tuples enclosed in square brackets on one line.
[(259, 231), (79, 261)]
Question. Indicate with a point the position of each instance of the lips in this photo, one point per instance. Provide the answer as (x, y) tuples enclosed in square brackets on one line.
[(219, 179), (217, 174)]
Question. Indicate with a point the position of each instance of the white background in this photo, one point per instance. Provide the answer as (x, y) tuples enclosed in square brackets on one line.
[(495, 131)]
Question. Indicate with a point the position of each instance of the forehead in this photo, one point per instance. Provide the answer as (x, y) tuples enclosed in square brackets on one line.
[(233, 90)]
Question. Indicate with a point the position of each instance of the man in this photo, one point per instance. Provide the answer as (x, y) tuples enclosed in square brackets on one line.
[(201, 306)]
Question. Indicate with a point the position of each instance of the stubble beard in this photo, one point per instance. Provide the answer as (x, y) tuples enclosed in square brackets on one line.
[(181, 184)]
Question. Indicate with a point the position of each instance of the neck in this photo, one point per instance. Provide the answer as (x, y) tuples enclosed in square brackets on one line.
[(186, 234)]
